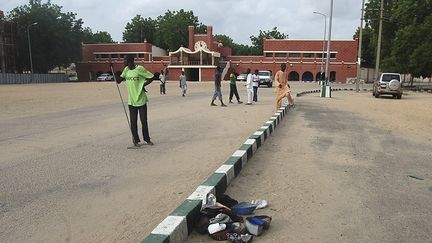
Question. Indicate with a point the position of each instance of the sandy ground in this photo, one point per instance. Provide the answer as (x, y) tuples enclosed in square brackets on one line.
[(328, 173), (337, 170)]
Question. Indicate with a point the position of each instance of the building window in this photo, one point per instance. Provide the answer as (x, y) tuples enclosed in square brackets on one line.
[(281, 55), (140, 55), (320, 55), (308, 55), (332, 55), (294, 55), (269, 54), (104, 56)]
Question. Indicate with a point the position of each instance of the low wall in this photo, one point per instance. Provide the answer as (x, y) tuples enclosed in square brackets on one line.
[(27, 78)]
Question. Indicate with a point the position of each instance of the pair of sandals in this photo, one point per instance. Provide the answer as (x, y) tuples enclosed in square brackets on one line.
[(239, 238)]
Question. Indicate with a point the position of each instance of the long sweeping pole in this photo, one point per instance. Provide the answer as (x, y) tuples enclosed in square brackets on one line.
[(121, 98)]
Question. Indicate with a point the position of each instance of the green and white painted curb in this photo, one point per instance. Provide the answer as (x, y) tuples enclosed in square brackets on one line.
[(179, 224), (332, 89)]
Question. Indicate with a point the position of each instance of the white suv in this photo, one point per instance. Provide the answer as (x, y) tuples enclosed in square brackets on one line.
[(265, 77), (105, 77), (388, 84)]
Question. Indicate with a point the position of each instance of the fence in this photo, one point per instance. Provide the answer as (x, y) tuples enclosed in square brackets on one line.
[(27, 78)]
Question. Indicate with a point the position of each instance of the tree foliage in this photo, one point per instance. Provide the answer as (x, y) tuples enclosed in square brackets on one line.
[(94, 38), (172, 29), (55, 36), (258, 41), (140, 29), (406, 37)]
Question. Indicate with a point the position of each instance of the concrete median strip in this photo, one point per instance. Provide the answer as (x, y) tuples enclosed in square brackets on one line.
[(180, 223), (333, 89)]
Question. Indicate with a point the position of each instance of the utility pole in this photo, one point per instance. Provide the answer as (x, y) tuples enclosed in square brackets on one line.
[(378, 53), (30, 52), (360, 48)]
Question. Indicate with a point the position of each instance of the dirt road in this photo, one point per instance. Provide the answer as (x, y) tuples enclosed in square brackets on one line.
[(65, 172), (336, 170)]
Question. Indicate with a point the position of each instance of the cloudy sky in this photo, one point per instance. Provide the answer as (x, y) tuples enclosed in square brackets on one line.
[(238, 19)]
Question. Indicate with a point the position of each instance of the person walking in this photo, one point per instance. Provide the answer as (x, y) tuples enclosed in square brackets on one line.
[(233, 87), (137, 77), (255, 85), (183, 84), (162, 82), (282, 88), (249, 86), (218, 84)]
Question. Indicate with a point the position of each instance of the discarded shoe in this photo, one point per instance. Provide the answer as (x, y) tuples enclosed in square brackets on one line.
[(256, 224), (238, 228), (260, 203), (253, 226), (214, 228), (243, 208), (221, 219), (239, 238)]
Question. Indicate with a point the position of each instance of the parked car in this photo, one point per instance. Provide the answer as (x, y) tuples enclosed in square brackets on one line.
[(105, 77), (242, 77), (265, 78), (388, 84)]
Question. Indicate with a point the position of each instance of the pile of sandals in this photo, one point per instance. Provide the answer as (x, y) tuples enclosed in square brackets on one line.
[(224, 218)]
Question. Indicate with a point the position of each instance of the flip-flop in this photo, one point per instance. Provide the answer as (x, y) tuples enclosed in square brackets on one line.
[(260, 203)]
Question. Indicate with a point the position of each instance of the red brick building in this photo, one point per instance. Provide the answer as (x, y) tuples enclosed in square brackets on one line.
[(304, 58)]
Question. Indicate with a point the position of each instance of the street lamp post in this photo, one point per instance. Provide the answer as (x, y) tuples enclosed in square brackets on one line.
[(324, 40), (29, 44), (326, 90), (329, 43)]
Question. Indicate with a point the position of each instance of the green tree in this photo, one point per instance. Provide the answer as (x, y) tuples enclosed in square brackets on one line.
[(140, 29), (94, 38), (172, 29), (412, 46), (406, 38), (225, 40), (368, 46), (257, 41), (55, 39)]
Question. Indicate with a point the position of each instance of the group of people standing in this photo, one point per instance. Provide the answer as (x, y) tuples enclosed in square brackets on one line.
[(282, 88), (137, 77)]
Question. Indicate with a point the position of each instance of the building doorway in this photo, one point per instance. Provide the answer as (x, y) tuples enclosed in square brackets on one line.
[(293, 76), (332, 76), (307, 76), (192, 74), (320, 76)]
